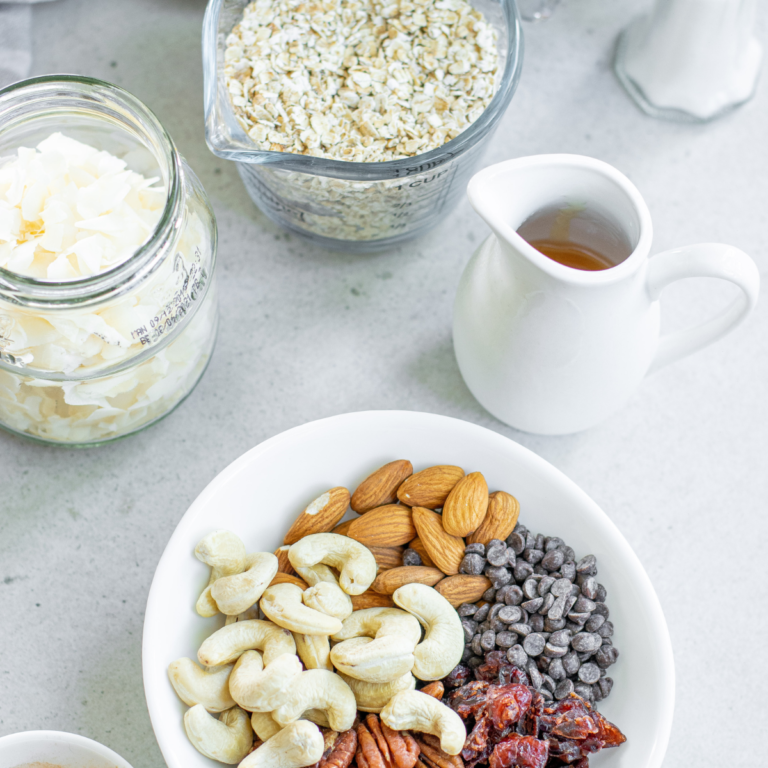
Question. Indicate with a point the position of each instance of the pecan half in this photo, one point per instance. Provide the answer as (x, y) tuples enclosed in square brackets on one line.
[(435, 689), (339, 749), (434, 757), (381, 747)]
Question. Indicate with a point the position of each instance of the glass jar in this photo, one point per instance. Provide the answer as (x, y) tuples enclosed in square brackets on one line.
[(351, 205), (96, 358)]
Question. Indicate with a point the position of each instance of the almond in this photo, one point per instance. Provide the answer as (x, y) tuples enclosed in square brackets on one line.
[(387, 526), (430, 487), (417, 546), (342, 528), (388, 581), (320, 516), (371, 599), (381, 487), (445, 551), (466, 505), (500, 519), (283, 563), (463, 589), (387, 557), (287, 578)]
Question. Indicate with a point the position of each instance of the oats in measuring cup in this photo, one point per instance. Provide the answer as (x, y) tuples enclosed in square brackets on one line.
[(360, 80)]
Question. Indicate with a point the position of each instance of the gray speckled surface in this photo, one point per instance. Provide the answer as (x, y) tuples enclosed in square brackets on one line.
[(307, 333)]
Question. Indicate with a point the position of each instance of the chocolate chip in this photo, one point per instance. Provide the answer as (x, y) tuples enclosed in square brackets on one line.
[(467, 609), (549, 600), (556, 670), (470, 628), (510, 614), (411, 557), (594, 623), (571, 663), (475, 549), (533, 555), (522, 571), (516, 542), (533, 605), (587, 565), (589, 673), (583, 605), (564, 689), (601, 594), (589, 587), (545, 585), (586, 642), (482, 612), (472, 565), (534, 644), (553, 560), (511, 594), (488, 640), (516, 655), (606, 630), (568, 570), (506, 639)]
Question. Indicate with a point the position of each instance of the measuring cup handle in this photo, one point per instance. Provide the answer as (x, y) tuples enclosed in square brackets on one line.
[(702, 260)]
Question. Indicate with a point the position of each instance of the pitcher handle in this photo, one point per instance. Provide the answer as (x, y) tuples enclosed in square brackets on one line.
[(702, 260)]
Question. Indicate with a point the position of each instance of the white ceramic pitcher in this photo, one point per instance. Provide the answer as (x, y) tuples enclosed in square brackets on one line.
[(551, 349)]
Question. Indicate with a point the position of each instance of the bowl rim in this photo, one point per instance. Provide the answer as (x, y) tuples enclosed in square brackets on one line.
[(63, 737), (422, 419)]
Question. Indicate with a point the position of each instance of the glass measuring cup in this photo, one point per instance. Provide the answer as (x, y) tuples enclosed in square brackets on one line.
[(348, 205)]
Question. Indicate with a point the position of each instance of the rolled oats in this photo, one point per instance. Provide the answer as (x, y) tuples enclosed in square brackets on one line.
[(359, 80)]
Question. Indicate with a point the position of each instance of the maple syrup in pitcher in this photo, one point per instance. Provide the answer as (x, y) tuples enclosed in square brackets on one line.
[(577, 237)]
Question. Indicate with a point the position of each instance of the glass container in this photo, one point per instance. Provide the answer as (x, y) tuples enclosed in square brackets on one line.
[(351, 205), (96, 358)]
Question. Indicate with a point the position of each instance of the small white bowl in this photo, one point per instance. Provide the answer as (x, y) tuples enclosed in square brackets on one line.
[(260, 494), (56, 748)]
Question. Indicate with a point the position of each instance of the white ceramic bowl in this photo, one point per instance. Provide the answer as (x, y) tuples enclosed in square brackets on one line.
[(260, 494), (57, 748)]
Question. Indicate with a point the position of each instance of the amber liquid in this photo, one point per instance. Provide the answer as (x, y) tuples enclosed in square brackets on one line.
[(577, 237), (572, 255)]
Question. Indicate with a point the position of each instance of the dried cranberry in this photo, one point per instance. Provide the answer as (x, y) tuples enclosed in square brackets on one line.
[(458, 676), (520, 752)]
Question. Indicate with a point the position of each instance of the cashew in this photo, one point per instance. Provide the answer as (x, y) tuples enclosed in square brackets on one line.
[(225, 553), (329, 599), (373, 697), (389, 656), (316, 574), (443, 643), (235, 594), (255, 687), (264, 725), (198, 686), (206, 605), (355, 563), (228, 643), (295, 746), (251, 613), (416, 711), (314, 651), (318, 717), (318, 689), (282, 603), (227, 739)]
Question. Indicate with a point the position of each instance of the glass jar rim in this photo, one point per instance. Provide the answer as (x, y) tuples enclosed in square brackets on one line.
[(36, 293), (222, 146)]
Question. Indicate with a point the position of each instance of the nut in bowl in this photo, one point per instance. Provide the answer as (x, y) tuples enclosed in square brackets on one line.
[(258, 499)]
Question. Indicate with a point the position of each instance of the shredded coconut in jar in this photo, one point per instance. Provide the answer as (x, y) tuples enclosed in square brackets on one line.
[(360, 80), (68, 210)]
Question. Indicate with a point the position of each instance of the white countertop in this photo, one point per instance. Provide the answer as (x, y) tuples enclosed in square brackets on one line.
[(306, 333)]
